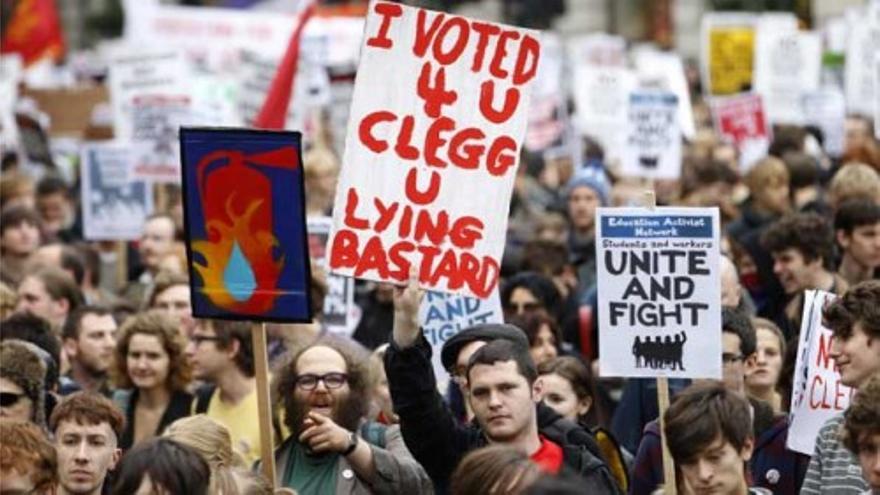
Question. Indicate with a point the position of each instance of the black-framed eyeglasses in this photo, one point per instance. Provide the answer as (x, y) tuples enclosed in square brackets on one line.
[(198, 339), (331, 380), (9, 399), (730, 358)]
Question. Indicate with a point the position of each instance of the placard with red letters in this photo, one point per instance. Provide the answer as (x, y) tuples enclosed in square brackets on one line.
[(817, 393), (437, 120), (741, 120)]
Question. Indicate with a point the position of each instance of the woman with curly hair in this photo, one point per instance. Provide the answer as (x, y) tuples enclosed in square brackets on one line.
[(153, 373)]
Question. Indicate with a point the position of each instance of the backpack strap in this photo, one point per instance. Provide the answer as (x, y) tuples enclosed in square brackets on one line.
[(203, 398), (613, 457)]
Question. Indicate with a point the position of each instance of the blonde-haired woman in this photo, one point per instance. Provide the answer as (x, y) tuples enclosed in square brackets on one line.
[(764, 370), (213, 442)]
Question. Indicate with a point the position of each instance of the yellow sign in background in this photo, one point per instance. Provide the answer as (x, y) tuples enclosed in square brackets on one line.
[(731, 59)]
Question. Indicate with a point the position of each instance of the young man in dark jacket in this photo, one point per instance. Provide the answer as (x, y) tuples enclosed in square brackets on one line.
[(772, 465), (500, 381)]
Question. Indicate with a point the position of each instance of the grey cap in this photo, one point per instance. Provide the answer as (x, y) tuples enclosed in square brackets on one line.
[(486, 332)]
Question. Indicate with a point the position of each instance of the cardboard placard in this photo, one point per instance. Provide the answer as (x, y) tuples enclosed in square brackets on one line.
[(215, 35), (825, 108), (601, 95), (817, 394), (597, 50), (155, 120), (444, 315), (862, 46), (653, 142), (69, 109), (115, 205), (726, 53), (740, 119), (787, 67), (137, 72), (341, 314), (547, 123), (877, 97), (428, 144), (244, 213), (664, 70), (659, 292)]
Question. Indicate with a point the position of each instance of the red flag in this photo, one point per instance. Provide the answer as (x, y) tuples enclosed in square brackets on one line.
[(33, 31), (274, 111)]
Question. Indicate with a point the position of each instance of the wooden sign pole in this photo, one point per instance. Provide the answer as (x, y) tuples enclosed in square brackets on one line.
[(121, 248), (669, 485), (264, 405)]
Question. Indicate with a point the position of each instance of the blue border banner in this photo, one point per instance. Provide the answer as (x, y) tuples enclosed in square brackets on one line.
[(244, 216)]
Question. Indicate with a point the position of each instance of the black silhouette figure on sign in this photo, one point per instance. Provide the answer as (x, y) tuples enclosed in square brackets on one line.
[(660, 352)]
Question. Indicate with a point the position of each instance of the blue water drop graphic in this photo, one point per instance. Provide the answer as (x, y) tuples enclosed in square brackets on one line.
[(238, 275)]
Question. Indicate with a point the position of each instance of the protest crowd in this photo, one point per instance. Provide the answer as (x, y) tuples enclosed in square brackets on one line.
[(653, 272)]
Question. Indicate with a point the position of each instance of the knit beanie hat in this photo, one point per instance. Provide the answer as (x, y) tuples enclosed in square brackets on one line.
[(593, 176), (24, 368), (485, 331)]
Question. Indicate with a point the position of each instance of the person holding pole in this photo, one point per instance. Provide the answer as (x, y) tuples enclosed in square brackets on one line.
[(500, 380), (772, 465), (709, 433), (854, 320)]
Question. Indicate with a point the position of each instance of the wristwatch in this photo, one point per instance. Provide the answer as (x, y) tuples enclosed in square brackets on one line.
[(352, 444)]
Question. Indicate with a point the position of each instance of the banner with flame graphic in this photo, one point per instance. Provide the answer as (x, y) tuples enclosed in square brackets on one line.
[(244, 214)]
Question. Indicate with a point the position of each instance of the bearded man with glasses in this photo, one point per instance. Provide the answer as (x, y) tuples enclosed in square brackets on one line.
[(331, 448)]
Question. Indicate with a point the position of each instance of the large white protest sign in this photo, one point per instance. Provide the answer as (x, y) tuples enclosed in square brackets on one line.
[(863, 44), (444, 315), (787, 67), (254, 77), (659, 292), (601, 96), (341, 314), (653, 140), (215, 35), (877, 96), (664, 70), (825, 108), (817, 394), (547, 116), (11, 67), (114, 204), (136, 72), (597, 50), (436, 125), (740, 119), (155, 122)]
